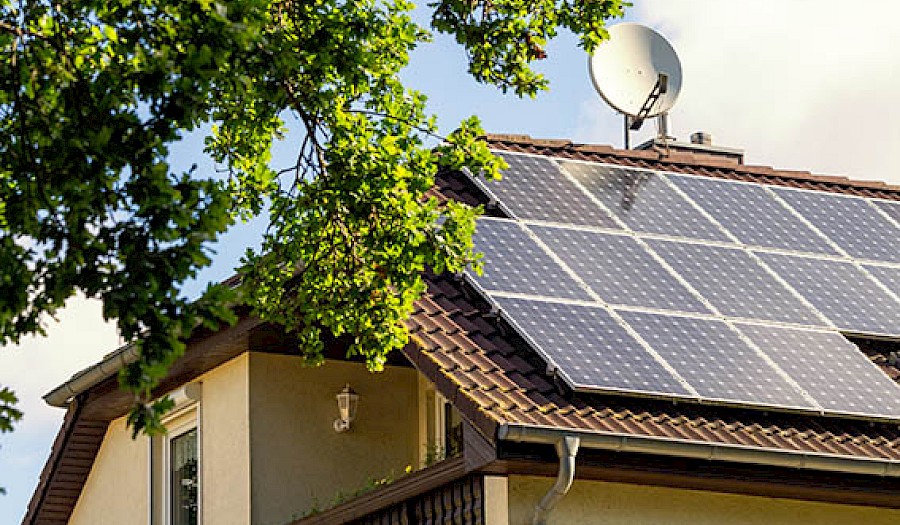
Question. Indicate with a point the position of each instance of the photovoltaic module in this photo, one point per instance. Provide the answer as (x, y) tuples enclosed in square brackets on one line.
[(636, 281)]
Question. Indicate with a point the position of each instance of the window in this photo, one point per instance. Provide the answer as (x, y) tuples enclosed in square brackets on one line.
[(441, 427), (184, 479), (175, 464)]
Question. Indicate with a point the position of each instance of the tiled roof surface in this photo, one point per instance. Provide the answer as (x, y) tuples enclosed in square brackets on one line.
[(493, 377)]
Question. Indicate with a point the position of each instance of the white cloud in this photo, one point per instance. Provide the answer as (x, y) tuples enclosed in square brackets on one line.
[(800, 85)]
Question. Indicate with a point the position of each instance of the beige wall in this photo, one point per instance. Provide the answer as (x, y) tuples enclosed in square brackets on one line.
[(298, 461), (597, 503), (225, 443), (116, 489)]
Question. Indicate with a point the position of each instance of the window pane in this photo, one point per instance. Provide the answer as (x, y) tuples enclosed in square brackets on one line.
[(184, 480)]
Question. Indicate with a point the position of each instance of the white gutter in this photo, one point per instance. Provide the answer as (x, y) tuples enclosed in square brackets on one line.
[(62, 395), (566, 449), (703, 450), (123, 356)]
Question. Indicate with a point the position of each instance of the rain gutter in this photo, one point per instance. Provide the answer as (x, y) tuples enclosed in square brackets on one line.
[(62, 395), (702, 450)]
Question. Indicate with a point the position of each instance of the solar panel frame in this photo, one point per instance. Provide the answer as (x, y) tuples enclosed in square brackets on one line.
[(818, 361), (559, 199), (557, 345), (827, 284), (618, 269), (514, 262), (752, 214), (852, 223), (654, 206), (681, 340), (735, 283)]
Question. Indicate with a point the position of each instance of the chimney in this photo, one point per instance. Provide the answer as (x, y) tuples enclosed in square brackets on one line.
[(701, 137), (701, 144)]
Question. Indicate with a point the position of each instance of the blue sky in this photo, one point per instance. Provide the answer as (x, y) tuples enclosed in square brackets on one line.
[(798, 84)]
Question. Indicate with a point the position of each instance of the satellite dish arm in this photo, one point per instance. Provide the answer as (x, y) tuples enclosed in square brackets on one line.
[(659, 89)]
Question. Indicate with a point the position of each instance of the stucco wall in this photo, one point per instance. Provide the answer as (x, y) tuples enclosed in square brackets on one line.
[(116, 489), (298, 461), (599, 503), (225, 443)]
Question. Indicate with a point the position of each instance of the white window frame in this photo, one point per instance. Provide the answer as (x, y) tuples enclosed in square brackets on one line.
[(187, 416), (432, 424)]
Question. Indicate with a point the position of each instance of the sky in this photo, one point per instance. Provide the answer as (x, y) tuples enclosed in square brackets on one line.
[(804, 85)]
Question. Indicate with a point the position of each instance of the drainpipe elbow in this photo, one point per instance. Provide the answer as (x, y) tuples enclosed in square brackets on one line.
[(566, 449)]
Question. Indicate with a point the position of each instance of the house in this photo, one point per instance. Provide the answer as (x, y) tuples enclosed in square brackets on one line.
[(715, 395)]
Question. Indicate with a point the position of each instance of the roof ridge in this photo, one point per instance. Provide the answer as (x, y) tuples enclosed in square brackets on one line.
[(684, 160)]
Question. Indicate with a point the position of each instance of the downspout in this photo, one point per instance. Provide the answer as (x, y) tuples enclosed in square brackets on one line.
[(566, 449)]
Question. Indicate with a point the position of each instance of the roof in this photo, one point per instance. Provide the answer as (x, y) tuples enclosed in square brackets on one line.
[(492, 376), (693, 163)]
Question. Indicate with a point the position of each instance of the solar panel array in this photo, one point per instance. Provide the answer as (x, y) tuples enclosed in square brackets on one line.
[(643, 282)]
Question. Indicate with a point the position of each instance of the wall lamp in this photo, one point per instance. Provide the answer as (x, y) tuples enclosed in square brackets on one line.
[(347, 401)]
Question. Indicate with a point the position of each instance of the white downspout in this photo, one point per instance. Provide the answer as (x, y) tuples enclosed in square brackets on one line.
[(566, 449)]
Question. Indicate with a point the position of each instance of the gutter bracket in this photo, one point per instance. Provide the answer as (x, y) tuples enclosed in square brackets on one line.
[(566, 449)]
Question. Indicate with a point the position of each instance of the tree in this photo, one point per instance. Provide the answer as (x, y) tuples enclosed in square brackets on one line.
[(92, 93)]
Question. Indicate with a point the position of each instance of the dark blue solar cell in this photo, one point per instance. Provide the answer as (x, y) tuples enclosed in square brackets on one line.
[(715, 361), (752, 214), (851, 222), (831, 369), (887, 276), (535, 188), (514, 262), (591, 349), (841, 291), (644, 201), (618, 269), (735, 283)]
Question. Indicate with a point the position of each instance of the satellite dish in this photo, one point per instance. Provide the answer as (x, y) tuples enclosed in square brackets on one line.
[(637, 72)]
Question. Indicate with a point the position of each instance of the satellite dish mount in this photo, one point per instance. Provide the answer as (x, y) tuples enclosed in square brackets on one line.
[(637, 73)]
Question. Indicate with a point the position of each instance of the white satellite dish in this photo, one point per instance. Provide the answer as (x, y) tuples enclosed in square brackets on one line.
[(637, 72)]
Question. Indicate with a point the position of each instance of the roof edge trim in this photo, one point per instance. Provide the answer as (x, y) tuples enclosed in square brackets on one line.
[(702, 450)]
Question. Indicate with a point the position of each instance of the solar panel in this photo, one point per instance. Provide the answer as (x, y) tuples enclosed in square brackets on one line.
[(829, 368), (514, 262), (618, 269), (534, 188), (892, 208), (592, 350), (715, 361), (644, 201), (851, 222), (887, 276), (752, 214), (734, 283), (841, 291)]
